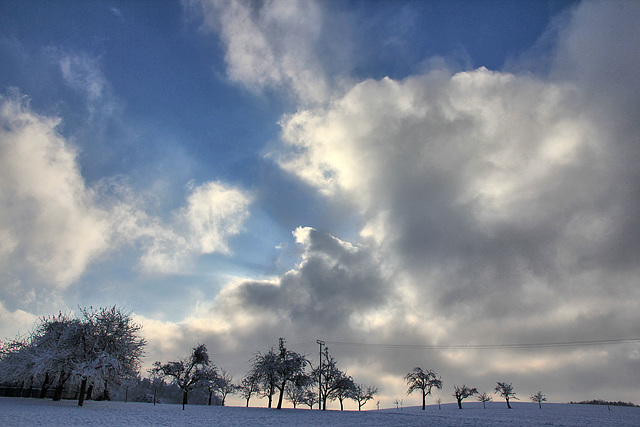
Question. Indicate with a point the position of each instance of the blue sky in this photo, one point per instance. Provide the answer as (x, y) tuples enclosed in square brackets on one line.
[(435, 173)]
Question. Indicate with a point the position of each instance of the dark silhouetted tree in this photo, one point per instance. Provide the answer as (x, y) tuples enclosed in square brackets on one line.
[(484, 398), (463, 392), (289, 368), (223, 384), (538, 398), (423, 381), (506, 390), (331, 378), (248, 387), (187, 372), (362, 394), (265, 370)]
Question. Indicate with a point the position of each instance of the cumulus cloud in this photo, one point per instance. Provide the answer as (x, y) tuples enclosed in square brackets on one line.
[(498, 208), (53, 225), (48, 217), (270, 44)]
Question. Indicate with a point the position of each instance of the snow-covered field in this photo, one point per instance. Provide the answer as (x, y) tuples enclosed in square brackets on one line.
[(18, 411)]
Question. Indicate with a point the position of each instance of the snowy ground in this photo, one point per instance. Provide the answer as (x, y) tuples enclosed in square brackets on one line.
[(19, 411)]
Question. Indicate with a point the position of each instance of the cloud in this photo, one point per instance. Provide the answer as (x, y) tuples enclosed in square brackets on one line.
[(270, 44), (48, 216), (496, 208), (54, 226)]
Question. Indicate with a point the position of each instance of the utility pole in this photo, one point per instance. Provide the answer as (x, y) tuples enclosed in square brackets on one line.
[(320, 343)]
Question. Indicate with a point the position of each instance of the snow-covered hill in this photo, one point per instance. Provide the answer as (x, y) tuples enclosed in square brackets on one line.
[(19, 411)]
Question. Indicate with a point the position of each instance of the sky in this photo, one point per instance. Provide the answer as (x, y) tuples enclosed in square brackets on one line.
[(443, 184)]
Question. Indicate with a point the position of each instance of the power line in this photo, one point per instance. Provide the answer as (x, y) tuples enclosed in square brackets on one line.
[(486, 346)]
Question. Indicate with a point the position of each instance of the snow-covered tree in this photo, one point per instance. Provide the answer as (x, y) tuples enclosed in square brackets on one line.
[(290, 368), (265, 370), (418, 379), (362, 394), (187, 372), (538, 398), (118, 346), (463, 392), (97, 347), (506, 390), (484, 398), (274, 370)]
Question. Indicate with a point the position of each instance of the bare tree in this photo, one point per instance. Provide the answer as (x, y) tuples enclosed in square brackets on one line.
[(301, 390), (310, 398), (265, 371), (506, 390), (342, 390), (249, 386), (439, 401), (423, 381), (223, 384), (538, 398), (463, 392), (187, 372), (290, 367), (208, 381), (484, 398), (362, 394), (331, 378)]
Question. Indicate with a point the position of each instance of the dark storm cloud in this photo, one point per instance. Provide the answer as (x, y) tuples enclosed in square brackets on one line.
[(334, 281)]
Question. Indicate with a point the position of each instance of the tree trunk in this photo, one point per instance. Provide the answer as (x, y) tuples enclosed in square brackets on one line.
[(59, 387), (30, 390), (281, 394), (341, 406), (508, 406), (248, 401), (106, 395), (424, 399), (459, 403), (45, 386), (185, 394), (89, 392), (210, 394), (539, 404), (83, 390)]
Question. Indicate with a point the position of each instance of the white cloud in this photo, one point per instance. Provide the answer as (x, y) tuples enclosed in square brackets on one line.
[(46, 210), (53, 225), (270, 44)]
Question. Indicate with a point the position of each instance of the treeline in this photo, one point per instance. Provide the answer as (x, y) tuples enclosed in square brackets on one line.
[(605, 402), (98, 352), (275, 374)]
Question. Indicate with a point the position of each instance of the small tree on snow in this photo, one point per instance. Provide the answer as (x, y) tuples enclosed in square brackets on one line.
[(362, 394), (484, 398), (538, 398), (223, 384), (342, 390), (265, 372), (423, 381), (463, 392), (290, 367), (249, 386), (506, 390), (187, 372)]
